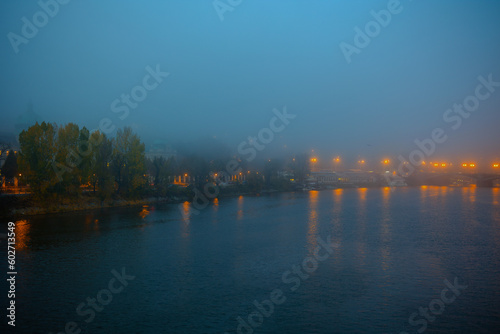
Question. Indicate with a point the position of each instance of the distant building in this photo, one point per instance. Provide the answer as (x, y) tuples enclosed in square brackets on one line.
[(354, 177), (324, 177), (359, 177)]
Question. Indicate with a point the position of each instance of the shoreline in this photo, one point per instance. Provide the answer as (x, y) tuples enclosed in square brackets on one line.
[(37, 210), (92, 205)]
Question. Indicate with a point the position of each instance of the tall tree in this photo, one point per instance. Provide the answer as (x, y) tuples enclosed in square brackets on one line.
[(68, 155), (37, 154), (129, 162), (101, 158)]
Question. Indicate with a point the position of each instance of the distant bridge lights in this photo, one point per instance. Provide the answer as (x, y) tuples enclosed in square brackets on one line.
[(313, 163)]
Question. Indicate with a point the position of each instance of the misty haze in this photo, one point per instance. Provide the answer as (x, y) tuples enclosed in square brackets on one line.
[(236, 166)]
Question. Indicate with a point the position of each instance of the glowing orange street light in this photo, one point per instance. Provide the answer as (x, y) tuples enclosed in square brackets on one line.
[(494, 166), (472, 165), (337, 159), (436, 165), (443, 165), (464, 165), (314, 160)]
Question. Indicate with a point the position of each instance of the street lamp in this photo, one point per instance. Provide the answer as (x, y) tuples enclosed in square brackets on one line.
[(313, 162), (336, 162), (361, 163), (385, 164)]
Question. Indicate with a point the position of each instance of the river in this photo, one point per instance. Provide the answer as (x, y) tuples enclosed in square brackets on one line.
[(335, 261)]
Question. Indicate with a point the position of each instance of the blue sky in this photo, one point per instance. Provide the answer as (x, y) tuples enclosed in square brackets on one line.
[(227, 76)]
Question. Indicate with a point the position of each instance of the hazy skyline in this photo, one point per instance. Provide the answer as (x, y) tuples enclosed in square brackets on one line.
[(226, 76)]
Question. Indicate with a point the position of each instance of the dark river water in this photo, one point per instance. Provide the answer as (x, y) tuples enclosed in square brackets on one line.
[(336, 261)]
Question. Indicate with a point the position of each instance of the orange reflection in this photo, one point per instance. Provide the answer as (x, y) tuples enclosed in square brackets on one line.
[(386, 193), (337, 200), (22, 234), (469, 194), (495, 192), (144, 213), (240, 208), (337, 223), (186, 212), (444, 190), (313, 220), (187, 218), (423, 194), (433, 191), (361, 218), (215, 209), (385, 230), (362, 194)]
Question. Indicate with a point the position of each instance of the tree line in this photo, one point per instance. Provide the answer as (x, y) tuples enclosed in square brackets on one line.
[(58, 160), (65, 161)]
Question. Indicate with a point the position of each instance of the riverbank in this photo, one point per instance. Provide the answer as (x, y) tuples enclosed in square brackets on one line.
[(21, 205), (15, 207)]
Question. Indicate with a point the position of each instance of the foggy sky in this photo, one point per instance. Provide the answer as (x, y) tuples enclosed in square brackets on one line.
[(226, 77)]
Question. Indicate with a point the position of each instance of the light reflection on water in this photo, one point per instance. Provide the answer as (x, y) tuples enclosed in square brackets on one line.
[(199, 272), (313, 221)]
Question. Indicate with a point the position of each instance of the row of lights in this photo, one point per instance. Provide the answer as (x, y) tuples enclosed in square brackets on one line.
[(435, 164)]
